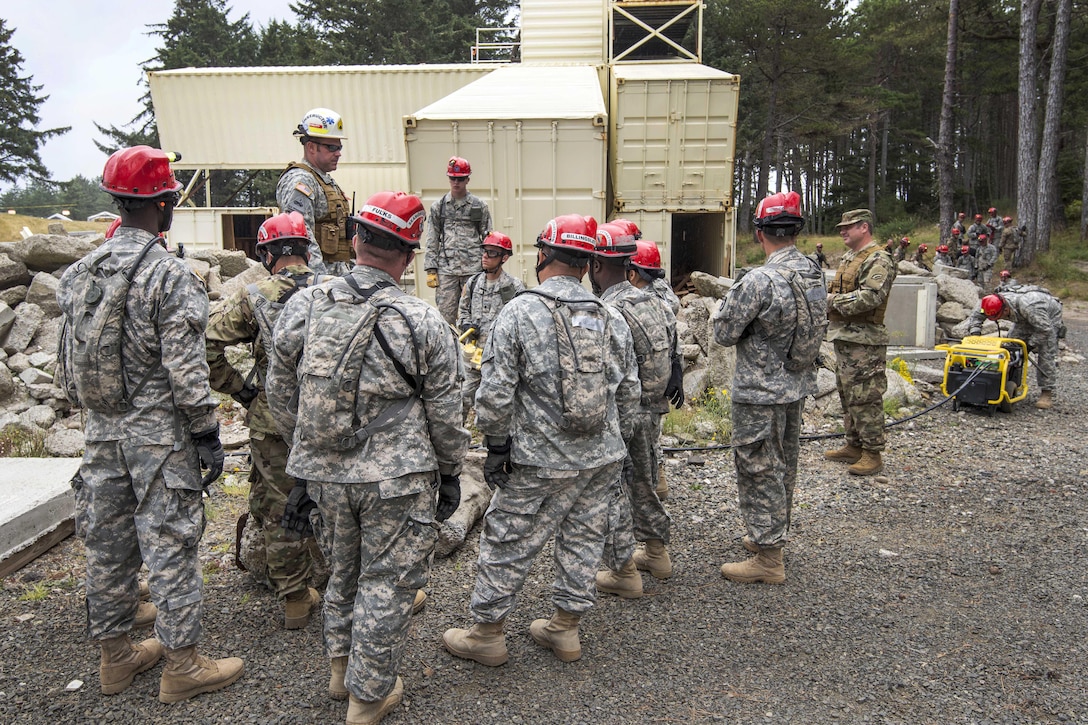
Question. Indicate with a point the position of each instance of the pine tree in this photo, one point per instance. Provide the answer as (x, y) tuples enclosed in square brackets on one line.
[(20, 137)]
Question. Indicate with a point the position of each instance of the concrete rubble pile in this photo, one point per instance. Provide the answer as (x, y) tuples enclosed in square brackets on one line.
[(30, 272)]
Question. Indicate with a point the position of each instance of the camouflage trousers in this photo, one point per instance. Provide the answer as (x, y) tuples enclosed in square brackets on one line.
[(523, 516), (380, 552), (635, 511), (288, 562), (765, 449), (143, 505), (859, 375), (1045, 347), (448, 294)]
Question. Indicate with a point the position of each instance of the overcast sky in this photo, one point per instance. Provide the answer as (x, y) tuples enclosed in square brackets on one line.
[(87, 57)]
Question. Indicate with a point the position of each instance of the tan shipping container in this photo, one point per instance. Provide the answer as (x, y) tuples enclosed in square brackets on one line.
[(673, 137), (535, 136)]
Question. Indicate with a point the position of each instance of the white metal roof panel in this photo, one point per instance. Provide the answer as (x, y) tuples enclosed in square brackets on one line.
[(242, 118), (524, 92), (668, 71)]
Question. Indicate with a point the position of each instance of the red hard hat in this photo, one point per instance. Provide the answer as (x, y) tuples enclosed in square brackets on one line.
[(992, 305), (629, 226), (780, 211), (923, 247), (1005, 274), (571, 232), (647, 256), (1007, 220), (984, 237), (394, 214), (458, 168), (955, 232), (287, 226), (943, 249), (140, 172), (965, 249), (613, 240), (978, 217), (113, 228), (905, 241), (991, 210), (500, 240)]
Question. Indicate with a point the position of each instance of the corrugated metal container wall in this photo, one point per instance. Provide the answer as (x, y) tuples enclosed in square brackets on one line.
[(564, 31), (237, 118), (536, 140), (673, 136)]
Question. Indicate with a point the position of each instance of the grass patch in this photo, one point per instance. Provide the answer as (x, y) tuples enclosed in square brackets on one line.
[(705, 419), (12, 224), (19, 442), (36, 592)]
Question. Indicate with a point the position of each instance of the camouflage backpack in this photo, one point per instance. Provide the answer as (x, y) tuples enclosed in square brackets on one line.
[(649, 330), (810, 301), (341, 325), (582, 338), (267, 311), (90, 339)]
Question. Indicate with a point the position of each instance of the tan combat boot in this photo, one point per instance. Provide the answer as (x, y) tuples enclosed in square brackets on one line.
[(1045, 401), (188, 673), (847, 454), (145, 591), (145, 614), (298, 606), (662, 489), (371, 713), (559, 634), (420, 601), (654, 559), (485, 643), (869, 465), (766, 567), (122, 660), (626, 582), (337, 689)]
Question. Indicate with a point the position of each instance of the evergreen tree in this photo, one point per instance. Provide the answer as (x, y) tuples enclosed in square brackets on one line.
[(20, 137)]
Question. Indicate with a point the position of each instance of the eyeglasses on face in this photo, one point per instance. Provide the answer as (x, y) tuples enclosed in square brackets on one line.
[(331, 148), (458, 179), (494, 253)]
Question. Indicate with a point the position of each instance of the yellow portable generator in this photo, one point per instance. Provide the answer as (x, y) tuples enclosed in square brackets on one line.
[(990, 372)]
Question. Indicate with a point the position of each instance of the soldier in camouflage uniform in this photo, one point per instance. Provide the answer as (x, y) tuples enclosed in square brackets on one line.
[(248, 316), (855, 308), (900, 252), (1037, 318), (636, 512), (306, 187), (996, 226), (974, 230), (966, 262), (555, 444), (960, 225), (759, 315), (819, 257), (985, 259), (484, 295), (359, 351), (1012, 241), (456, 227), (148, 432)]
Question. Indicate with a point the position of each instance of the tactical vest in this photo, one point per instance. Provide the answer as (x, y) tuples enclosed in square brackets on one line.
[(330, 231), (846, 280)]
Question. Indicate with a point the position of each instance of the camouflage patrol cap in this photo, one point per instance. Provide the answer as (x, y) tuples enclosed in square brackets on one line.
[(855, 216)]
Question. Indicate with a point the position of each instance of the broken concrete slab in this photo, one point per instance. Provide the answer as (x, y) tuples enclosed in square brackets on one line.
[(35, 503)]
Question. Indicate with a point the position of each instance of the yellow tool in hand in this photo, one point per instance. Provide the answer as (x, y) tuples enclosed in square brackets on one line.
[(473, 353)]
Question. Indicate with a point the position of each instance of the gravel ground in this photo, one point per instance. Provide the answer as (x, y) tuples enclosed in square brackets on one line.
[(951, 591)]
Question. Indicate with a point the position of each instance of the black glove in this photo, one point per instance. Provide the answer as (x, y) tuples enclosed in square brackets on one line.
[(246, 395), (210, 451), (674, 391), (449, 496), (497, 467), (296, 514)]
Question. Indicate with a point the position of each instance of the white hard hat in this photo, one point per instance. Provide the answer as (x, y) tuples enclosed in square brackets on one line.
[(321, 123)]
